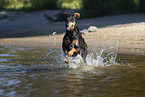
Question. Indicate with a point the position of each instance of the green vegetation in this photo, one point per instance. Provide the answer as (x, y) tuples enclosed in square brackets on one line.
[(3, 4), (70, 4), (32, 5), (12, 4), (88, 8)]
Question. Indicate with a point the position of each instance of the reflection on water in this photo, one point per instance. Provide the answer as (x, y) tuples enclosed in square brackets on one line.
[(41, 72)]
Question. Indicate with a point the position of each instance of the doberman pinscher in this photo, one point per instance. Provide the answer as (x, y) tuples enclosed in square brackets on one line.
[(73, 42)]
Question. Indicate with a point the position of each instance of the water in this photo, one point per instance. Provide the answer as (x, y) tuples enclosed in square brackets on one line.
[(41, 72)]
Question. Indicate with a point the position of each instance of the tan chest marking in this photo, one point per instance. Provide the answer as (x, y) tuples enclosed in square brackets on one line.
[(75, 42), (71, 52)]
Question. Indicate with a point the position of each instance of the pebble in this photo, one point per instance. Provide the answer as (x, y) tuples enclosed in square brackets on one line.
[(92, 29)]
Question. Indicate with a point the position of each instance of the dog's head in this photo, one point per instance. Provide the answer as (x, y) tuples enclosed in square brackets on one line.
[(70, 21)]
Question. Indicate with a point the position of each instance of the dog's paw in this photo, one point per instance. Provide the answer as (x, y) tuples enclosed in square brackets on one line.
[(67, 60)]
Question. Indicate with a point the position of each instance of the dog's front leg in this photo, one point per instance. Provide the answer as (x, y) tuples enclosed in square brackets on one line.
[(71, 52), (67, 57)]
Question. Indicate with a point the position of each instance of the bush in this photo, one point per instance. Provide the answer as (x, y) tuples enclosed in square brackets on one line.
[(43, 4), (95, 8), (123, 5), (3, 4), (70, 4), (142, 5)]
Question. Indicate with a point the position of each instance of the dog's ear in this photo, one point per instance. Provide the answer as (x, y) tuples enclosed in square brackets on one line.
[(77, 15), (65, 16)]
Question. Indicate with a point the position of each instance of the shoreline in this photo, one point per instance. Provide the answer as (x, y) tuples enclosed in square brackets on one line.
[(54, 42)]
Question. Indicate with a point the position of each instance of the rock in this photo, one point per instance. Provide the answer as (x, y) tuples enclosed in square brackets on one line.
[(92, 29), (3, 15)]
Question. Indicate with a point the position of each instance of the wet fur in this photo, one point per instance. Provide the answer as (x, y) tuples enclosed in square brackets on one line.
[(73, 42)]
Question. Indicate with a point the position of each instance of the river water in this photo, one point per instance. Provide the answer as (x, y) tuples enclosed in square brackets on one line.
[(41, 72)]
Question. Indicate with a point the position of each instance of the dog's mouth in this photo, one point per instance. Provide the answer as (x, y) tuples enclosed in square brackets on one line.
[(71, 26)]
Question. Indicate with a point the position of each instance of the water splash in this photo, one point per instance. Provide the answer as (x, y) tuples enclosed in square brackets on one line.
[(93, 60), (52, 38), (100, 57)]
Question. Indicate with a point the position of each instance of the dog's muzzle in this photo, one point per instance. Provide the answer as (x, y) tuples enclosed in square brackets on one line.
[(70, 26)]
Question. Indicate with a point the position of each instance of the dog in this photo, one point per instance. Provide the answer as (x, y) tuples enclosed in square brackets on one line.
[(73, 42)]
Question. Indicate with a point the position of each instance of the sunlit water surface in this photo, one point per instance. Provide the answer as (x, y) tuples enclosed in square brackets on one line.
[(41, 72)]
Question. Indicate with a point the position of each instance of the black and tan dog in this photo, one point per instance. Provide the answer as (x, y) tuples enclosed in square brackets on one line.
[(73, 42)]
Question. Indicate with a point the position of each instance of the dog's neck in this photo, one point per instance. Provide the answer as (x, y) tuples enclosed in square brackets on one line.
[(73, 34)]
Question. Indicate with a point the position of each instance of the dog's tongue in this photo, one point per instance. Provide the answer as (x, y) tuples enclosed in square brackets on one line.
[(68, 28)]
